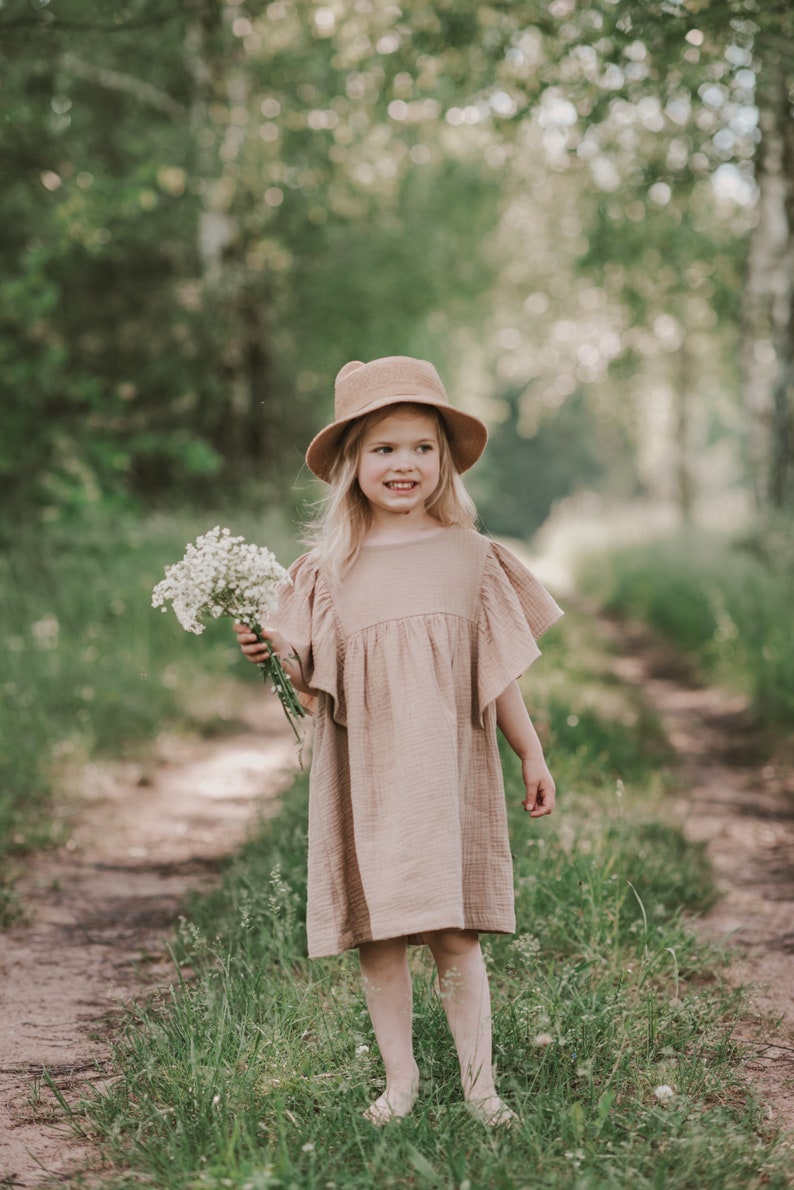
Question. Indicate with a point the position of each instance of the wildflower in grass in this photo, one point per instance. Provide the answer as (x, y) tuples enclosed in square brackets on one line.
[(280, 895), (664, 1093), (45, 632), (362, 1049), (246, 915), (308, 1147), (542, 1039), (222, 575), (527, 946)]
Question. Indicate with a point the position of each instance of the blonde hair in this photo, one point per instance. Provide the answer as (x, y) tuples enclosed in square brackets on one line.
[(338, 531)]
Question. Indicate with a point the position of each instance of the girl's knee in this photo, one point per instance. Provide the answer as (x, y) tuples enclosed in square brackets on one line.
[(452, 944), (384, 952)]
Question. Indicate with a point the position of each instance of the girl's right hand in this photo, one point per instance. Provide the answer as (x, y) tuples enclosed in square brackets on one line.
[(255, 650)]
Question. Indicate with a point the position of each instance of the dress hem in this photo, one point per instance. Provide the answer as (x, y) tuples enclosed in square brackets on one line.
[(414, 936)]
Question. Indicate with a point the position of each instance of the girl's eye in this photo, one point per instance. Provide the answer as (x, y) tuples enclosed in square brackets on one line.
[(382, 450), (426, 448)]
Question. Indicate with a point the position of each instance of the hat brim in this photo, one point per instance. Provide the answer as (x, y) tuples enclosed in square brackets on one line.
[(466, 434)]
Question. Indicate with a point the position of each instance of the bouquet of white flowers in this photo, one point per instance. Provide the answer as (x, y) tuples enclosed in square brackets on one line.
[(221, 575)]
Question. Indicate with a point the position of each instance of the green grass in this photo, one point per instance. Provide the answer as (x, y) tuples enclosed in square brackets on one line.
[(726, 604), (253, 1070), (90, 669)]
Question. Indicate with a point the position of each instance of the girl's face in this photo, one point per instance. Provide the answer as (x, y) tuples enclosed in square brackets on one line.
[(398, 466)]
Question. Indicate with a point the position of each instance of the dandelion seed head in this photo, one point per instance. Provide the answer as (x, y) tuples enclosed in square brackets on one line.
[(664, 1093)]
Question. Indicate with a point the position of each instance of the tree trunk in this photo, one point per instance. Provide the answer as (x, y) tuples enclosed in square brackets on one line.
[(215, 229), (781, 478), (767, 295), (232, 295), (683, 383)]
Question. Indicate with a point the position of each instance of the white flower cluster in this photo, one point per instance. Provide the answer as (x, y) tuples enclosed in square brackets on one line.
[(221, 575)]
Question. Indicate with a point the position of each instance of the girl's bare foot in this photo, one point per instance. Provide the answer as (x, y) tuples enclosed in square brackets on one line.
[(492, 1111), (392, 1105)]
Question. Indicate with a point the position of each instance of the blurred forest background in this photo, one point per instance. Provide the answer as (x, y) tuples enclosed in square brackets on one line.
[(582, 212)]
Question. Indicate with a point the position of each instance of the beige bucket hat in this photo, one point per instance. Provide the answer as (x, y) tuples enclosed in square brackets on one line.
[(362, 388)]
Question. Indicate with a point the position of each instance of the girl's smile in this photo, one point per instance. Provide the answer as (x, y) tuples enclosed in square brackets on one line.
[(398, 469)]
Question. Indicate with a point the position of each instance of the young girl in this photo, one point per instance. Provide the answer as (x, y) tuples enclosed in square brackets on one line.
[(409, 629)]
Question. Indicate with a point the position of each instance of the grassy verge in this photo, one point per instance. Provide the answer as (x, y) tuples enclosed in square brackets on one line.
[(252, 1072), (89, 668), (725, 604)]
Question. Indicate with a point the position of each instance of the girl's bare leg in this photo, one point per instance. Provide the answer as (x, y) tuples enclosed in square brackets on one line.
[(463, 983), (389, 995)]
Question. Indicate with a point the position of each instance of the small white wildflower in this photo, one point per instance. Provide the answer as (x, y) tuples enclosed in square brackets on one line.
[(308, 1147), (527, 946), (542, 1039), (576, 1157), (362, 1049), (216, 1100), (45, 632), (221, 575), (664, 1093)]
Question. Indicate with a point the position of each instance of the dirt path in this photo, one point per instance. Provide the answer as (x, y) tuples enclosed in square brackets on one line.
[(101, 908), (100, 911), (740, 802)]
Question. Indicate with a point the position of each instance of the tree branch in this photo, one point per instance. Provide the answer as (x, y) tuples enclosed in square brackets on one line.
[(47, 20), (115, 80)]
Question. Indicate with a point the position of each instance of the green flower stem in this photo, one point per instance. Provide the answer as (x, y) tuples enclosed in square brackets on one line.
[(273, 670)]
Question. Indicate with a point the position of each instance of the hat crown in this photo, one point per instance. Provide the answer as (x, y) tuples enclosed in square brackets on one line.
[(364, 388), (360, 387)]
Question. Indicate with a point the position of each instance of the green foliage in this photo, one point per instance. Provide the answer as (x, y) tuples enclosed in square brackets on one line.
[(254, 1070), (725, 603), (192, 241), (522, 475), (165, 328)]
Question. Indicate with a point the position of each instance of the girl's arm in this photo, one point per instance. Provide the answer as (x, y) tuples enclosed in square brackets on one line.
[(258, 651), (516, 726)]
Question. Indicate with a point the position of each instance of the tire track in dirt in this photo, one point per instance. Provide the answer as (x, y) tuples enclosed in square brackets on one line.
[(740, 803), (99, 912)]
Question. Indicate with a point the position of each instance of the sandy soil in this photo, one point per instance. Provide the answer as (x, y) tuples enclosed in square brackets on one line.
[(739, 801), (100, 911)]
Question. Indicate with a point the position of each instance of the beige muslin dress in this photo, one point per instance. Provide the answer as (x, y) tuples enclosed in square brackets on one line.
[(406, 655)]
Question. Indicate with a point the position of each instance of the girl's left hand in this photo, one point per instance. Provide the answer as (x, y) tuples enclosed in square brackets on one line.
[(541, 791)]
